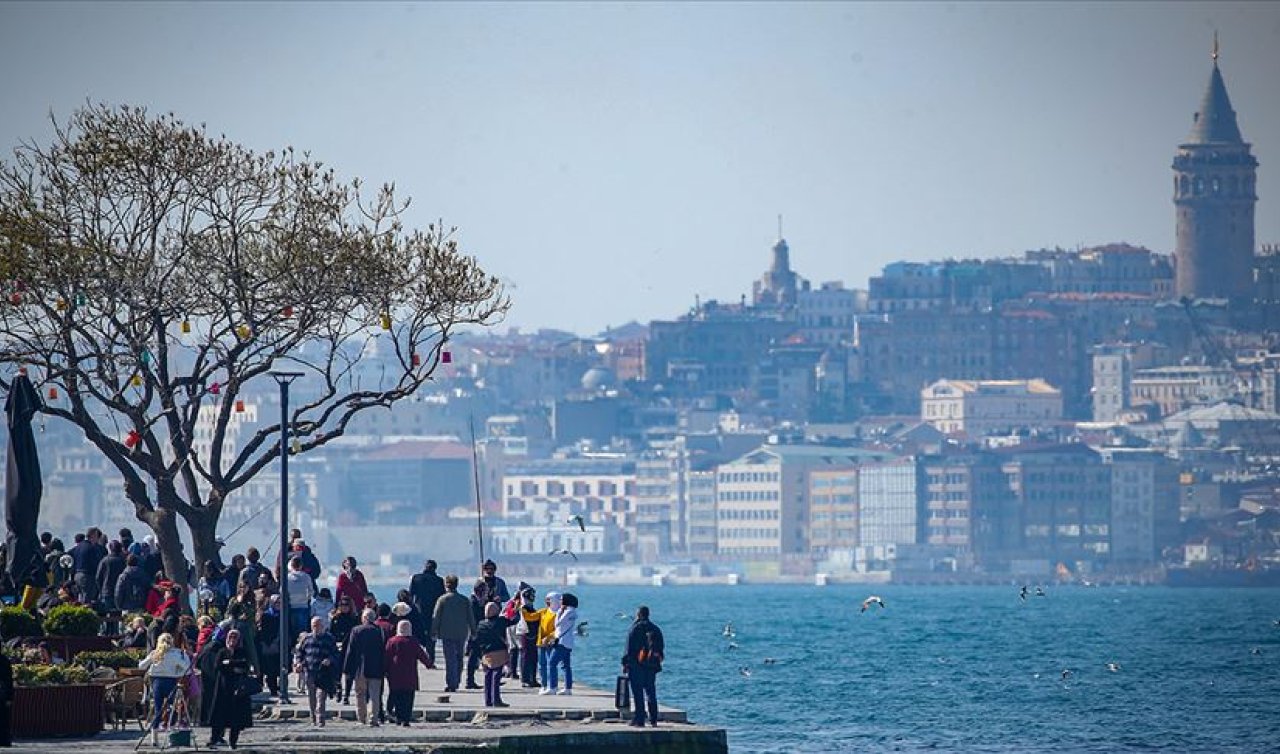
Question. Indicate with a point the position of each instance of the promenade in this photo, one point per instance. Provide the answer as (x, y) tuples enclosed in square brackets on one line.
[(583, 723)]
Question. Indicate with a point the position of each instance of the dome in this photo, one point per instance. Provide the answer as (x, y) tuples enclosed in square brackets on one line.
[(597, 378)]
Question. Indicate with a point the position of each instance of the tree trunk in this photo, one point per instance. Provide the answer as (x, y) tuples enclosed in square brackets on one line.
[(204, 528), (164, 523)]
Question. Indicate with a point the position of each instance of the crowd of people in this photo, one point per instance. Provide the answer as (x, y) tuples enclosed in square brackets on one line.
[(344, 645)]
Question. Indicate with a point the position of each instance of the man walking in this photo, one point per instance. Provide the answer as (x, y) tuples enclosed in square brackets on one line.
[(642, 663), (318, 656), (453, 623), (425, 588), (364, 663)]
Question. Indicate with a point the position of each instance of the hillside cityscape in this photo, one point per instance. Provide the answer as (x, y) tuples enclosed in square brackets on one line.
[(1088, 414)]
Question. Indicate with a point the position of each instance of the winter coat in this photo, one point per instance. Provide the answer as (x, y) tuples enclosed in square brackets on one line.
[(547, 625), (341, 626), (566, 626), (230, 706), (427, 588), (132, 588), (452, 618), (645, 646), (364, 652), (403, 653), (109, 570), (491, 634), (352, 586), (321, 608), (173, 664), (301, 590)]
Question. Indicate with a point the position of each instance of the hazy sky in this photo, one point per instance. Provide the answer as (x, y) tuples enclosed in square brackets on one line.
[(612, 161)]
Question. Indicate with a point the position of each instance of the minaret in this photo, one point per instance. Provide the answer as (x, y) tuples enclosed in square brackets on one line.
[(1213, 196)]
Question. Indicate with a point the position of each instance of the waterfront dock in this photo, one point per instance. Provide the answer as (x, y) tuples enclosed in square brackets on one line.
[(583, 723)]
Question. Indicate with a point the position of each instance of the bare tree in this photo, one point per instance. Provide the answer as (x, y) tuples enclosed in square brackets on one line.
[(152, 271)]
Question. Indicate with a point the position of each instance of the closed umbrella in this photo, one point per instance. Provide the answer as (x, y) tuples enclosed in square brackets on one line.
[(23, 486)]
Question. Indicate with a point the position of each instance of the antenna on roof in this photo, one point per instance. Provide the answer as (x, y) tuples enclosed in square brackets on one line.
[(779, 226), (1214, 54)]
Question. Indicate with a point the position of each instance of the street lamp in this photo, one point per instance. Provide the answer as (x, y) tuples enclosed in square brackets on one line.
[(284, 379)]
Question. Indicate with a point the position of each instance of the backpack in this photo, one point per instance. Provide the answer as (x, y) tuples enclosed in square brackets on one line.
[(651, 655)]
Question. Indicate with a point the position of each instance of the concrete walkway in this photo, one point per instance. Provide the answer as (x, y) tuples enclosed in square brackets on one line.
[(432, 704)]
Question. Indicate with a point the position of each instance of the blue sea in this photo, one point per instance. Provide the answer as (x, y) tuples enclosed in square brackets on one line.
[(969, 669)]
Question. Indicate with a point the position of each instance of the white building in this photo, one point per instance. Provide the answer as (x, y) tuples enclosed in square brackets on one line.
[(982, 407), (887, 503)]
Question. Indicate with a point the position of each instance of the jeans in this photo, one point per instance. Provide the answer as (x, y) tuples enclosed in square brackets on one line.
[(560, 656), (401, 704), (316, 698), (162, 693), (493, 686), (544, 661), (452, 662), (368, 698), (643, 683)]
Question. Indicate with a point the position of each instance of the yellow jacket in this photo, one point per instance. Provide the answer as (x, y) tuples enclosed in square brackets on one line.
[(546, 625)]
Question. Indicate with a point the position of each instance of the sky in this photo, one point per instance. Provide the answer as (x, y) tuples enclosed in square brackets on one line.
[(614, 162)]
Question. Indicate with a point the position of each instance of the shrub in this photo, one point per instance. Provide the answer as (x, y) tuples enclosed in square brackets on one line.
[(116, 659), (49, 675), (72, 620), (14, 621)]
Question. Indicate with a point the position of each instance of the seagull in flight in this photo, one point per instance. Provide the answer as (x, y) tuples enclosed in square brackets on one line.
[(1022, 595), (872, 600), (563, 552), (1040, 591), (732, 646), (1114, 667), (728, 631), (770, 661), (580, 521), (745, 671), (582, 629), (1066, 673), (622, 616)]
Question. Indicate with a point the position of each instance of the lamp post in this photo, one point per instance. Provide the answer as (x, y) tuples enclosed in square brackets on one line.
[(284, 379)]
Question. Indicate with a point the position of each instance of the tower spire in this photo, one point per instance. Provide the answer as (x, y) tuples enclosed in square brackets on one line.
[(779, 226), (1214, 54)]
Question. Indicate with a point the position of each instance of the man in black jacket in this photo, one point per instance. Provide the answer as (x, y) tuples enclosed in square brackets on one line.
[(426, 588), (109, 570), (642, 663), (364, 662), (132, 586)]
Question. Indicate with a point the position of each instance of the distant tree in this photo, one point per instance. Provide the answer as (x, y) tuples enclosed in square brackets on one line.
[(151, 271)]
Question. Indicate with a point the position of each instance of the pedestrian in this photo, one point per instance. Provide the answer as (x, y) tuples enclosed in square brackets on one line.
[(494, 585), (479, 598), (212, 588), (131, 586), (231, 574), (547, 639), (322, 607), (253, 569), (491, 646), (424, 589), (351, 582), (529, 620), (318, 656), (268, 625), (364, 665), (566, 630), (109, 570), (453, 623), (231, 707), (641, 664), (165, 665), (402, 655), (301, 591), (136, 635)]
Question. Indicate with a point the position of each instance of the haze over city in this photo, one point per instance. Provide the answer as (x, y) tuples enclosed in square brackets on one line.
[(612, 162)]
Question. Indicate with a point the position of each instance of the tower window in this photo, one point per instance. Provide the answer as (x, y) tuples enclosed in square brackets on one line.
[(1199, 186)]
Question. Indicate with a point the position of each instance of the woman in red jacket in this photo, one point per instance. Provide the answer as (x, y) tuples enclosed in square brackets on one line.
[(351, 583), (403, 653)]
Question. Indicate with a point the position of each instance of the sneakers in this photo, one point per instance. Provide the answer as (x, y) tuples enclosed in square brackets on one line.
[(565, 692), (544, 691)]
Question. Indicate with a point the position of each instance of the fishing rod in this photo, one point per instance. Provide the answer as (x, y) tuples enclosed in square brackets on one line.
[(475, 471), (244, 523)]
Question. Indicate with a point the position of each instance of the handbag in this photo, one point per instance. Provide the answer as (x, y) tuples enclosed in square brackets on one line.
[(248, 686), (495, 659), (622, 693)]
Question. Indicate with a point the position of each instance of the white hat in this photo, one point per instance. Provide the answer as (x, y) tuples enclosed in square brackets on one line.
[(401, 609)]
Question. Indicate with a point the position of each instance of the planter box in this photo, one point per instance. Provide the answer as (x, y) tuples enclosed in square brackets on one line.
[(67, 647), (49, 711)]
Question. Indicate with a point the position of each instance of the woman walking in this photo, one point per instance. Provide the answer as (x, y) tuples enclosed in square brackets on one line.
[(491, 646), (165, 665), (403, 653), (232, 694)]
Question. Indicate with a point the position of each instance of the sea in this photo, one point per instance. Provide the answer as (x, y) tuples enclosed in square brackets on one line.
[(963, 669)]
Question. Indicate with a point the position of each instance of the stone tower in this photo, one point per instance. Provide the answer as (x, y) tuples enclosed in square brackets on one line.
[(778, 286), (1213, 195)]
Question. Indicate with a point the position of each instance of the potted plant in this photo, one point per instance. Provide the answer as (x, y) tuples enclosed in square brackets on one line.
[(14, 621), (72, 629), (55, 700)]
